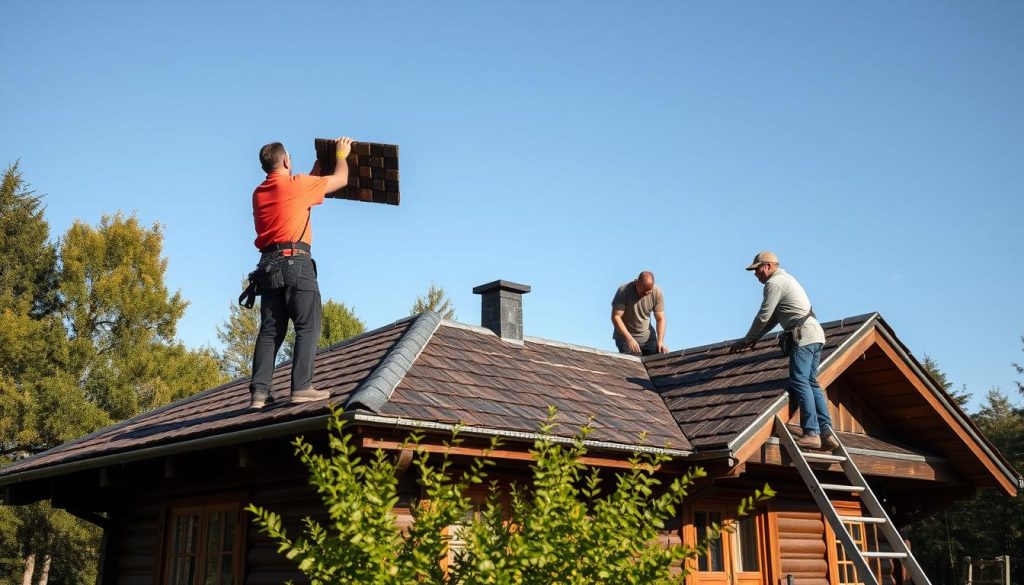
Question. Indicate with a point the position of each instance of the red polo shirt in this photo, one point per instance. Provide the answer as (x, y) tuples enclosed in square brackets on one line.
[(280, 207)]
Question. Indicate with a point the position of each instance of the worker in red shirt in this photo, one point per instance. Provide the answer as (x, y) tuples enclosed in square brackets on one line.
[(286, 274)]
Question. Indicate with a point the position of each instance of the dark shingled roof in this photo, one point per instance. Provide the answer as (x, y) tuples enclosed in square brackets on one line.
[(424, 369), (714, 395), (340, 369), (469, 375)]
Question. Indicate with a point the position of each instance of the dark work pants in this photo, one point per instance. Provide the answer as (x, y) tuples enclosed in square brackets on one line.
[(298, 300)]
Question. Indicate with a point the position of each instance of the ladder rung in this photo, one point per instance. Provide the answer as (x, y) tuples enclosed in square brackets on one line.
[(864, 519), (842, 488), (824, 457), (884, 555)]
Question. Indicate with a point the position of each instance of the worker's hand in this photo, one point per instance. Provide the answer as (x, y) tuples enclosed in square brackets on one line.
[(634, 347), (738, 346), (344, 147), (662, 348)]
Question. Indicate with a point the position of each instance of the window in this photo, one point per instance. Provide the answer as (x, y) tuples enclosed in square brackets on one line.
[(714, 560), (746, 544), (866, 539), (204, 545), (731, 558)]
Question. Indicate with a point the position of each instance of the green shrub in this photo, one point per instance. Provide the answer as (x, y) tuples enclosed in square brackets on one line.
[(564, 527)]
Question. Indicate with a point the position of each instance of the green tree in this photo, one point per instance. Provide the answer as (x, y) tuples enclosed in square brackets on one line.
[(121, 319), (436, 300), (86, 338), (30, 262), (238, 337), (932, 368), (564, 529)]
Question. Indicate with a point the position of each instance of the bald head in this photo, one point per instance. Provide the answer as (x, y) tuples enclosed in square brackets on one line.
[(644, 283)]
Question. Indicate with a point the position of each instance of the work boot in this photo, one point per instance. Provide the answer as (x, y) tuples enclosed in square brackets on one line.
[(809, 441), (829, 442), (259, 399), (310, 394)]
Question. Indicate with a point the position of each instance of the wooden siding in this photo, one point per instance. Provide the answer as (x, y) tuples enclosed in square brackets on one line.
[(802, 547)]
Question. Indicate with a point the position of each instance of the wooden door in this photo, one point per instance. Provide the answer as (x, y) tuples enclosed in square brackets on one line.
[(737, 558)]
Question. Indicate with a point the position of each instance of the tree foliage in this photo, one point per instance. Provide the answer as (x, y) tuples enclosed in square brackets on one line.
[(436, 300), (238, 334), (991, 524), (564, 528), (338, 324), (238, 338), (87, 337), (932, 368)]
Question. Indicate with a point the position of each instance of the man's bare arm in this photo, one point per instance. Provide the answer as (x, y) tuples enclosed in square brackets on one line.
[(620, 326), (659, 316), (339, 179)]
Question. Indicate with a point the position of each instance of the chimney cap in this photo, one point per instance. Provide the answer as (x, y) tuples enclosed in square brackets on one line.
[(499, 285)]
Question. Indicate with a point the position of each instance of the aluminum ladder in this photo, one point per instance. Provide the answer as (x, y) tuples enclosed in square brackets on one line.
[(858, 486)]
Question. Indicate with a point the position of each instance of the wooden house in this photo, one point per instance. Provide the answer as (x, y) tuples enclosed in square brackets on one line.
[(168, 487)]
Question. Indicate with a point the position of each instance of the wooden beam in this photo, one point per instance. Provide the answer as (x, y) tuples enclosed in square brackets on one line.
[(371, 443), (846, 359), (753, 445), (940, 409)]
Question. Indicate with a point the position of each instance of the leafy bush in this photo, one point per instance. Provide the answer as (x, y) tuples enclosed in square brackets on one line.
[(564, 527)]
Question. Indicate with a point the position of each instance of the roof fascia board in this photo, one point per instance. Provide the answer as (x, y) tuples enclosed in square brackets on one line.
[(212, 441), (766, 417), (1009, 479), (400, 422)]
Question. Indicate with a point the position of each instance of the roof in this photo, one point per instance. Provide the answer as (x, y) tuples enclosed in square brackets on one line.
[(427, 372)]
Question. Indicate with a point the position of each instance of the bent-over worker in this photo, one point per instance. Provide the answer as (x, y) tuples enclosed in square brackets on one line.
[(632, 306), (786, 303)]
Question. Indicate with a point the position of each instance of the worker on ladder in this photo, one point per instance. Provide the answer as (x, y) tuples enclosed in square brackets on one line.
[(786, 303), (286, 276)]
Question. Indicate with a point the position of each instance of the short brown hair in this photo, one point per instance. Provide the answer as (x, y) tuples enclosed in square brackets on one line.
[(272, 156)]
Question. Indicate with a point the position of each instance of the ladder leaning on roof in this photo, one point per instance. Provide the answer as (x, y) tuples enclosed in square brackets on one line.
[(858, 486)]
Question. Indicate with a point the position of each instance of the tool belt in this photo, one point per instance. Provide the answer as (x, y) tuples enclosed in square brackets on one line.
[(269, 273), (789, 338), (295, 247)]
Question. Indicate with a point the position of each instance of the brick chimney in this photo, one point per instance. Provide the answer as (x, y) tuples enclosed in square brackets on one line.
[(501, 308)]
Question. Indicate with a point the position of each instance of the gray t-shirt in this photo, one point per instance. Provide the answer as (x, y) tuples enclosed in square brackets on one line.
[(637, 311), (785, 303)]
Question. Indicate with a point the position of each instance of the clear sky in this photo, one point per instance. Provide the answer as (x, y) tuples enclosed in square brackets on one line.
[(877, 147)]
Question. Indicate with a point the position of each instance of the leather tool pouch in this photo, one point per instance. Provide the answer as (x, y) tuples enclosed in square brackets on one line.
[(270, 274), (786, 343)]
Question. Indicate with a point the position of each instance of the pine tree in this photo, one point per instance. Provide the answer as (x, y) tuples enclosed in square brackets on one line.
[(435, 300)]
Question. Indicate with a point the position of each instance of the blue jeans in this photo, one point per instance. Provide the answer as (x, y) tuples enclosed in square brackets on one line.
[(299, 301), (803, 382)]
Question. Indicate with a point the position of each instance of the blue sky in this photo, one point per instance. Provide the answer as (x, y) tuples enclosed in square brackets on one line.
[(877, 147)]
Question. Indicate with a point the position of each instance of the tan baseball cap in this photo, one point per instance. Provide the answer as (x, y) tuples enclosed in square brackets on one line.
[(763, 258)]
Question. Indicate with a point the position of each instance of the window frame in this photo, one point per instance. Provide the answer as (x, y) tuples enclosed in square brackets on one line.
[(204, 508), (731, 547)]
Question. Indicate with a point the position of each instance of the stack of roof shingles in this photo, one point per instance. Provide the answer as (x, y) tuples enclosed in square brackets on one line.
[(372, 170)]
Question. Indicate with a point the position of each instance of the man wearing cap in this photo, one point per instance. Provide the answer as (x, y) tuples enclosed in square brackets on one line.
[(632, 306), (286, 274), (786, 303)]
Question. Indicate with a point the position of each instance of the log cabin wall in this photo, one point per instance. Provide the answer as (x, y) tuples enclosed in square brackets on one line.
[(803, 550)]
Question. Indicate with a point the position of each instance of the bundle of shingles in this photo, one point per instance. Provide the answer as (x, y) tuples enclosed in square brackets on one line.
[(372, 170)]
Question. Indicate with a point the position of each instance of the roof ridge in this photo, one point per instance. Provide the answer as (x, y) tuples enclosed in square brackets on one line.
[(378, 387)]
